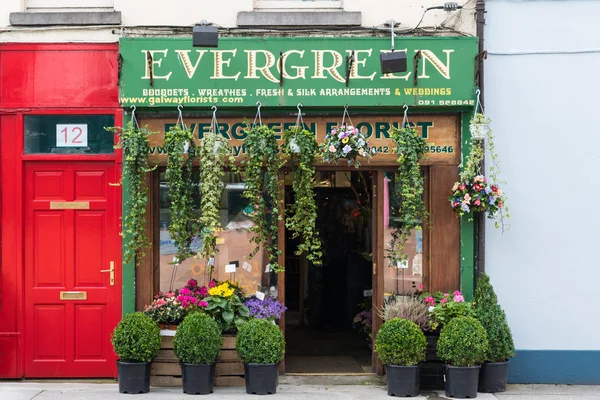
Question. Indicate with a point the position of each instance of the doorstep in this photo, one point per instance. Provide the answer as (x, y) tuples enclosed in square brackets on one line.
[(323, 379)]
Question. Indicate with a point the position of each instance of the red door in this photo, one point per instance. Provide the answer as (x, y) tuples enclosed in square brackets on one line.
[(72, 242)]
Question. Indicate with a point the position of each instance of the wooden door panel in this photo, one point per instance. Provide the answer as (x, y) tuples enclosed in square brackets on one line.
[(65, 250)]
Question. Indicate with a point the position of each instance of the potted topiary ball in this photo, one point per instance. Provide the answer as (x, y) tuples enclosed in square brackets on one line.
[(400, 345), (462, 345), (136, 341), (197, 344), (494, 371), (260, 346)]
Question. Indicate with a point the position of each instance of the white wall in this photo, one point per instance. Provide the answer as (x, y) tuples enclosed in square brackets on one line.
[(545, 116), (224, 14)]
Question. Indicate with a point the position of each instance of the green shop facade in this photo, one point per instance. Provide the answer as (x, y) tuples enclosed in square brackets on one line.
[(270, 80)]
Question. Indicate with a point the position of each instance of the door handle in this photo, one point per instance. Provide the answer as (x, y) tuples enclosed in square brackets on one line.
[(112, 273)]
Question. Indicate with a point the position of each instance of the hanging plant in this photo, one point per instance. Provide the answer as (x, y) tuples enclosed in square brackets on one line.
[(213, 151), (346, 142), (136, 146), (262, 190), (473, 194), (300, 148), (410, 147), (183, 225)]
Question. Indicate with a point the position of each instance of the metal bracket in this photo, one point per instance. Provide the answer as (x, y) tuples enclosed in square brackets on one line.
[(349, 61), (119, 66), (416, 59), (478, 60), (151, 67), (281, 69)]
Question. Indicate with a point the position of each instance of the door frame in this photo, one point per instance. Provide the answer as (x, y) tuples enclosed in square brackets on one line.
[(12, 165)]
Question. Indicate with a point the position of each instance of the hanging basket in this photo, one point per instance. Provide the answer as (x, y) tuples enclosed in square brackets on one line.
[(479, 126)]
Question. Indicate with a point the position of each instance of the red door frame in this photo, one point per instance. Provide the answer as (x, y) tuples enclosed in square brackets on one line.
[(12, 167)]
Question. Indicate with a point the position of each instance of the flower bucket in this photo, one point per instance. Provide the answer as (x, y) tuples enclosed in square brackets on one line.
[(479, 130), (294, 146)]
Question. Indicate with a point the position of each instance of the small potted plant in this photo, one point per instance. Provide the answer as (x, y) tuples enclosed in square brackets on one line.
[(136, 341), (462, 345), (197, 344), (494, 371), (260, 346), (401, 345)]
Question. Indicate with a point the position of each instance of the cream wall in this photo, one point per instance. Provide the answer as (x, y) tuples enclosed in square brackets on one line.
[(137, 13)]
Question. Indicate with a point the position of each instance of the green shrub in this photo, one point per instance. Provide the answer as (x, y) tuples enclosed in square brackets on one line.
[(463, 342), (400, 342), (493, 319), (136, 338), (260, 341), (198, 340)]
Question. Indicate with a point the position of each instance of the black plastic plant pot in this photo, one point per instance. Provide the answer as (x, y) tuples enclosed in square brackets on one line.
[(198, 378), (402, 381), (261, 378), (461, 382), (134, 377), (493, 376)]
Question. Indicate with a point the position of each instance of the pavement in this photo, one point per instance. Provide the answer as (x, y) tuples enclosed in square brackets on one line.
[(69, 390)]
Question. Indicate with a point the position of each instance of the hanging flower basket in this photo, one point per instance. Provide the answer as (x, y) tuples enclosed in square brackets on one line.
[(475, 196), (479, 126), (346, 142)]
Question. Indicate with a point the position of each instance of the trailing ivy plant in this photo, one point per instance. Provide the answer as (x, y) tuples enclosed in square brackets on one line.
[(410, 147), (136, 146), (261, 173), (183, 226), (213, 151), (300, 148)]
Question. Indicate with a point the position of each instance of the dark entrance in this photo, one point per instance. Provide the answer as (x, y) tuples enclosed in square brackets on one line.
[(328, 322)]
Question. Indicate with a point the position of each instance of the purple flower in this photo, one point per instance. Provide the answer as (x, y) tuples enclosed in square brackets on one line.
[(347, 149), (465, 207), (269, 308)]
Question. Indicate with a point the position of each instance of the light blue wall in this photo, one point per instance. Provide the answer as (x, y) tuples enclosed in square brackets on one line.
[(545, 110)]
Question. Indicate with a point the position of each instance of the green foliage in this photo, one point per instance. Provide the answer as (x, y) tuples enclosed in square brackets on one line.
[(263, 190), (260, 341), (400, 342), (410, 147), (214, 150), (443, 313), (463, 342), (229, 312), (303, 212), (136, 338), (198, 340), (136, 146), (183, 226), (493, 319)]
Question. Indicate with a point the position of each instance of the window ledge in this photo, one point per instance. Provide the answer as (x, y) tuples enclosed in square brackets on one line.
[(65, 18), (259, 19)]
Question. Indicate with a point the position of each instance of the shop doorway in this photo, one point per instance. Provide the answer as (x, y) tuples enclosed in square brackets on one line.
[(328, 321), (72, 268)]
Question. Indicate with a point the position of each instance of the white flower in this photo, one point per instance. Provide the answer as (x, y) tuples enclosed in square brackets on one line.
[(431, 308)]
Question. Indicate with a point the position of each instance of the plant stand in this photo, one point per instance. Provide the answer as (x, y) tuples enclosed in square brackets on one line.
[(432, 370), (166, 370)]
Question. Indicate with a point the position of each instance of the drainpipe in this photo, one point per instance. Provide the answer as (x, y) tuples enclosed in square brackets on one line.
[(480, 18)]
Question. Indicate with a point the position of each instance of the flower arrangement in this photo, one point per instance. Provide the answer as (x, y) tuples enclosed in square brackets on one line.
[(226, 305), (476, 195), (346, 142), (268, 308), (166, 309), (443, 307), (363, 323)]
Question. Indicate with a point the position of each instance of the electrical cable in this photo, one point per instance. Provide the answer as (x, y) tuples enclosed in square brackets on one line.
[(543, 52)]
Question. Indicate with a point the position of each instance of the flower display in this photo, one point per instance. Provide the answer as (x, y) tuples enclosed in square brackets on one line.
[(268, 308), (445, 306), (346, 142), (222, 290), (166, 309), (476, 195)]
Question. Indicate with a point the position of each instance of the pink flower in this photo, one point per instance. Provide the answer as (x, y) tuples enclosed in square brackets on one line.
[(420, 286), (334, 131), (355, 131), (430, 300), (499, 204), (462, 186), (455, 187), (459, 298), (467, 197), (445, 294), (203, 291), (457, 292), (332, 149), (202, 304), (477, 202), (212, 284), (192, 283), (444, 300), (361, 152), (479, 178), (499, 192)]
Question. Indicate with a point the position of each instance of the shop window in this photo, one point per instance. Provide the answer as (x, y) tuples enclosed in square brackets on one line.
[(72, 5), (298, 4), (68, 134), (400, 280), (234, 246)]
